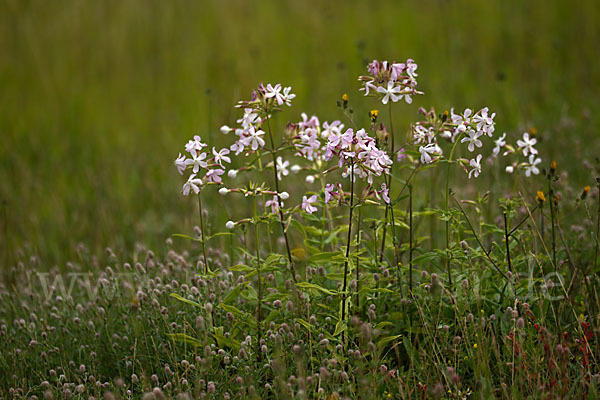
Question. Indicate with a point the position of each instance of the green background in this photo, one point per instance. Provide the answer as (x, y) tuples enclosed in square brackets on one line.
[(98, 97)]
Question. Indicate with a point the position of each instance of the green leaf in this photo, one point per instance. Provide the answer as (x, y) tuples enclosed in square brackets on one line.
[(304, 324), (183, 299), (181, 235), (387, 339), (183, 338), (218, 234), (323, 257), (242, 268), (340, 327), (307, 285), (233, 294)]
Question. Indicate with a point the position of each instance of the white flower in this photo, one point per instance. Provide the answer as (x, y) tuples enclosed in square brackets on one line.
[(250, 118), (334, 128), (390, 92), (193, 184), (181, 164), (275, 91), (484, 122), (284, 195), (230, 225), (221, 156), (274, 204), (195, 145), (476, 164), (472, 139), (223, 191), (527, 144), (307, 203), (531, 167), (214, 175), (197, 161), (225, 129), (281, 167), (427, 151), (254, 140), (287, 96), (500, 142)]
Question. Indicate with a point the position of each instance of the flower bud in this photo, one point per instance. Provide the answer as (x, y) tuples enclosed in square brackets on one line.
[(295, 168), (284, 195), (230, 225), (510, 169), (223, 191), (225, 129), (232, 173), (310, 179)]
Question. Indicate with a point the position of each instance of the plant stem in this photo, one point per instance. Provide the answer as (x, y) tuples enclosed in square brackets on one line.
[(280, 208), (479, 240), (348, 243), (357, 261), (506, 236), (202, 234), (447, 218), (597, 232), (410, 233), (552, 216), (259, 306)]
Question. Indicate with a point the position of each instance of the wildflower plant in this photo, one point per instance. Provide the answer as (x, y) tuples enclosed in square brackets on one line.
[(346, 250)]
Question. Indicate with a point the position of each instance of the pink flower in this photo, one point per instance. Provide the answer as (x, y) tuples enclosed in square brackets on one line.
[(221, 156), (193, 184), (385, 193), (329, 192), (275, 91), (307, 203), (213, 175), (274, 204), (401, 154), (180, 164)]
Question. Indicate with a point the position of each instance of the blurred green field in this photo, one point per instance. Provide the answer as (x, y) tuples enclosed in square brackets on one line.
[(98, 97)]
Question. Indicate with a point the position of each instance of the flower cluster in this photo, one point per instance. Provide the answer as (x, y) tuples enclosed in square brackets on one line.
[(525, 147), (391, 81), (199, 160), (468, 126), (309, 137), (265, 100), (356, 150)]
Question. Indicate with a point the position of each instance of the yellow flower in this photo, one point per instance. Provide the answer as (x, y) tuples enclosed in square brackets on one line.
[(475, 345), (586, 191), (345, 97), (540, 198), (373, 114)]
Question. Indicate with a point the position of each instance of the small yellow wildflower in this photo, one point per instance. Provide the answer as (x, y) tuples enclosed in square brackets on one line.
[(475, 345), (345, 97), (540, 198), (586, 191), (373, 114)]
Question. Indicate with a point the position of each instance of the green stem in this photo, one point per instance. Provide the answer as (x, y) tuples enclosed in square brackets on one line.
[(552, 216), (280, 208), (348, 243), (410, 251), (202, 234), (449, 272), (258, 265)]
